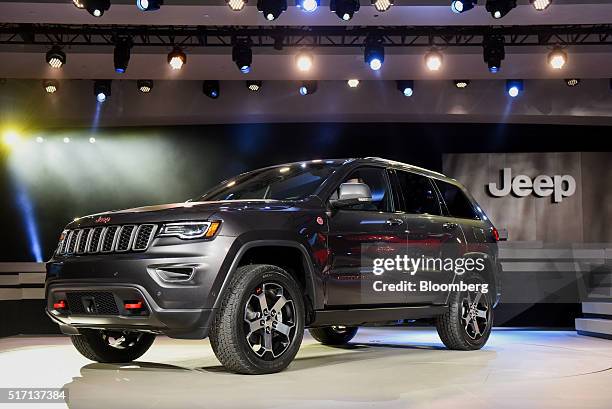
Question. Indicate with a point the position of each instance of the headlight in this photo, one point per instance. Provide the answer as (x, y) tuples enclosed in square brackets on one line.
[(190, 230)]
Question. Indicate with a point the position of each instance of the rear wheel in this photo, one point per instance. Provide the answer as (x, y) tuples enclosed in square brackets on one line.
[(259, 327), (334, 335), (467, 323), (112, 346)]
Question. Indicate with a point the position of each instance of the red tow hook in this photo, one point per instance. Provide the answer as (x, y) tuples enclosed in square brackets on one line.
[(60, 305), (133, 306)]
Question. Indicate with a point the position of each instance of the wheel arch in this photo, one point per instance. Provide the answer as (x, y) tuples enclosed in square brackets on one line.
[(488, 273)]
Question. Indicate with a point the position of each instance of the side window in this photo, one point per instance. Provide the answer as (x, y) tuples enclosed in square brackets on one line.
[(456, 201), (376, 179), (419, 194)]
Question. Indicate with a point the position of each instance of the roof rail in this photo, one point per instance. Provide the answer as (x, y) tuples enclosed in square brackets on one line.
[(394, 162)]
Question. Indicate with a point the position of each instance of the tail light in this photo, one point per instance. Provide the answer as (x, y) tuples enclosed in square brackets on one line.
[(495, 234)]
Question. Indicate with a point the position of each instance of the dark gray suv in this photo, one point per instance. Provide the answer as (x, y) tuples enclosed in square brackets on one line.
[(323, 244)]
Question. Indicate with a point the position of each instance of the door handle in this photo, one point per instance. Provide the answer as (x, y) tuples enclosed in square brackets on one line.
[(450, 226), (394, 222)]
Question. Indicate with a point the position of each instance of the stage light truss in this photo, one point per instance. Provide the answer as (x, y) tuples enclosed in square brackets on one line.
[(316, 36)]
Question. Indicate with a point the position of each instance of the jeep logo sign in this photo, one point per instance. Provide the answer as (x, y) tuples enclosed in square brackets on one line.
[(559, 186)]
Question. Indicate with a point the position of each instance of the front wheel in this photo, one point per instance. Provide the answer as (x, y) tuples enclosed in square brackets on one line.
[(467, 323), (335, 335), (259, 327), (112, 346)]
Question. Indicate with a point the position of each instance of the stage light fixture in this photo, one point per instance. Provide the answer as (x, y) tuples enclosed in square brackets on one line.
[(353, 83), (572, 82), (304, 61), (40, 139), (514, 87), (433, 60), (211, 89), (78, 4), (493, 51), (56, 57), (374, 53), (236, 5), (499, 8), (92, 139), (540, 4), (102, 90), (242, 55), (382, 5), (254, 86), (461, 83), (406, 87), (66, 139), (121, 55), (557, 58), (308, 87), (50, 86), (344, 9), (307, 5), (461, 6), (271, 9), (149, 5), (144, 86), (11, 137), (177, 58), (96, 7)]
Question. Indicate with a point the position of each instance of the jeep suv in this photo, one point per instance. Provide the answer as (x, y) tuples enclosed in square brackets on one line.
[(262, 256)]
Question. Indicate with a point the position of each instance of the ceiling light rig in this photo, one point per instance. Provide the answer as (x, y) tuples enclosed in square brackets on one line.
[(78, 4), (493, 52), (55, 57), (499, 8), (102, 90), (96, 8), (271, 9), (382, 5), (540, 4), (461, 84), (374, 52), (514, 87), (307, 6), (353, 83), (177, 58), (572, 82), (344, 9), (212, 89), (50, 86), (144, 86), (121, 55), (149, 5), (557, 58), (236, 5), (304, 61), (242, 55), (254, 86), (461, 6), (308, 87), (433, 60), (406, 87)]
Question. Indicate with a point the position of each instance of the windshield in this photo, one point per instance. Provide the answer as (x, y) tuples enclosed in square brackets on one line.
[(287, 182)]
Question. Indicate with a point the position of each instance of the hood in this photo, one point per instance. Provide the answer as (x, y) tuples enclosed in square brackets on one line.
[(174, 212)]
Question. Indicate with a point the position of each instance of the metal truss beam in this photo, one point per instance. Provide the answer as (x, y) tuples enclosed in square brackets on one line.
[(333, 36)]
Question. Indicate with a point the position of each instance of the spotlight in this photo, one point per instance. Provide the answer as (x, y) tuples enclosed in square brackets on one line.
[(433, 60), (271, 9), (96, 7), (304, 61), (514, 87), (308, 87), (102, 90), (572, 82), (242, 55), (354, 83), (493, 51), (40, 139), (50, 86), (406, 87), (460, 6), (177, 58), (344, 8), (307, 5), (253, 85), (144, 86), (56, 57), (66, 139), (499, 8), (92, 140), (382, 5), (78, 4), (236, 5), (461, 83), (123, 48), (211, 89), (557, 58), (374, 53), (540, 4), (149, 5), (11, 137)]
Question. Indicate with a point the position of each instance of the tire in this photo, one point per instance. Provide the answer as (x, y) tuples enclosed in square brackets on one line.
[(96, 345), (456, 326), (339, 335), (248, 338)]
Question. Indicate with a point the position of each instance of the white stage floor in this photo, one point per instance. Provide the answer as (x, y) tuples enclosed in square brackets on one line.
[(382, 368)]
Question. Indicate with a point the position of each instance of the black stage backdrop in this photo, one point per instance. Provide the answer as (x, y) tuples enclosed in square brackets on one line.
[(45, 185)]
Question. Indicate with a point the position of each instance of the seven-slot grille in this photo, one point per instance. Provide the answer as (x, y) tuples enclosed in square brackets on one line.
[(108, 239)]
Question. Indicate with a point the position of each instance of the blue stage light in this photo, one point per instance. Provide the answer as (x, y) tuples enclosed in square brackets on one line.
[(374, 53), (149, 5), (406, 87), (514, 87), (29, 218), (460, 6), (307, 5)]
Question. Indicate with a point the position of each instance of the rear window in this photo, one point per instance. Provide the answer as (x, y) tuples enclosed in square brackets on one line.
[(457, 203)]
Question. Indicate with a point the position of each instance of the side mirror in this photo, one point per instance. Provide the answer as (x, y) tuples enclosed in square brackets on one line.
[(351, 194)]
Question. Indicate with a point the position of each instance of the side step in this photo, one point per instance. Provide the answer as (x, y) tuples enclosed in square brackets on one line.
[(371, 315)]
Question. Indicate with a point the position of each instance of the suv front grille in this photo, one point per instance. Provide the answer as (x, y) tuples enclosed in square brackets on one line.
[(108, 239)]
